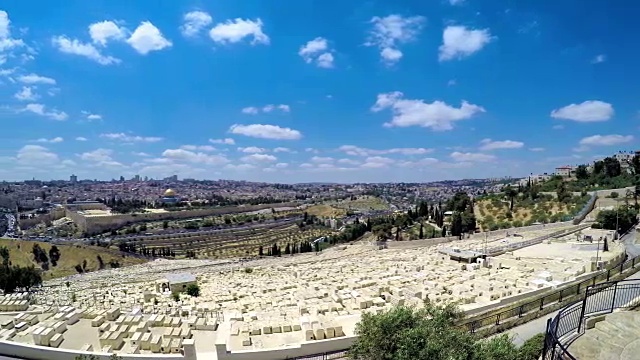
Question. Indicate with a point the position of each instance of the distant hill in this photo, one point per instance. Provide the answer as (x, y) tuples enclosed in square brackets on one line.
[(21, 253)]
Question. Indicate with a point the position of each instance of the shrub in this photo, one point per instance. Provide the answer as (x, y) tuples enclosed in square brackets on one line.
[(193, 290), (175, 296), (532, 348), (248, 270)]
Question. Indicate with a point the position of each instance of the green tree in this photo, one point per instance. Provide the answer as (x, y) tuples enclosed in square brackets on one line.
[(429, 333), (193, 290), (510, 193), (582, 173)]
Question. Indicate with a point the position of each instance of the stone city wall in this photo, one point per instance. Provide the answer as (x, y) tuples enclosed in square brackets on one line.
[(33, 352), (99, 224), (55, 214)]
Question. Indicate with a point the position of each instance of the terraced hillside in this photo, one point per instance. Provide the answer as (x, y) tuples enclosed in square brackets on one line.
[(22, 253), (227, 243)]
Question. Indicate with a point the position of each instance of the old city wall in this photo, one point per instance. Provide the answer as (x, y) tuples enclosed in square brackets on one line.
[(99, 224), (55, 214)]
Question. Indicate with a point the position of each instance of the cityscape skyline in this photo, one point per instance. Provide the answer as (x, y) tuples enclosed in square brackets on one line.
[(383, 92)]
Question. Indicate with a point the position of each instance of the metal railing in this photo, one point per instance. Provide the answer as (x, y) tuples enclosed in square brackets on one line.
[(570, 322), (554, 298), (333, 355)]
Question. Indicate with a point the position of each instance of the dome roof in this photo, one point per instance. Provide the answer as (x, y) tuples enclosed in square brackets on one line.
[(169, 193)]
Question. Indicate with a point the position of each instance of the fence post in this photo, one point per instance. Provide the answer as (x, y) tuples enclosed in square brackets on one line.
[(621, 266), (546, 340), (541, 302), (520, 311), (608, 274), (613, 299), (560, 300), (584, 305), (498, 319), (578, 292), (633, 263)]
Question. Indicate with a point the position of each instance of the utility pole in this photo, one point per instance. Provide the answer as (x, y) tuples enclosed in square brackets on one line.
[(617, 220), (598, 252)]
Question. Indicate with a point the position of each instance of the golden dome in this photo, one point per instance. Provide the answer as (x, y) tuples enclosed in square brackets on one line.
[(169, 193)]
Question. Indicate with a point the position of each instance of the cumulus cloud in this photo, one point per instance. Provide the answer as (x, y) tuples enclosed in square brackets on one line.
[(605, 140), (36, 155), (97, 155), (360, 151), (588, 111), (599, 59), (104, 31), (377, 162), (227, 141), (147, 38), (207, 148), (54, 140), (251, 149), (194, 157), (488, 144), (459, 42), (236, 30), (317, 50), (42, 110), (130, 138), (258, 158), (36, 79), (391, 31), (76, 47), (194, 22), (253, 110), (26, 94), (436, 115), (81, 138), (471, 157), (261, 131)]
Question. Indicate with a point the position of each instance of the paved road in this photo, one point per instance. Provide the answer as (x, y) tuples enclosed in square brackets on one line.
[(528, 330)]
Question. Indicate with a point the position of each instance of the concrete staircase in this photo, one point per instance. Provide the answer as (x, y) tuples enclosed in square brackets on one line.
[(617, 337)]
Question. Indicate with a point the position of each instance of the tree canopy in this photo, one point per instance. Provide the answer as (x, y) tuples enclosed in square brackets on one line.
[(430, 333)]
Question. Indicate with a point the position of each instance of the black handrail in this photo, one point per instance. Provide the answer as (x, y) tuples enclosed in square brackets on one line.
[(570, 322)]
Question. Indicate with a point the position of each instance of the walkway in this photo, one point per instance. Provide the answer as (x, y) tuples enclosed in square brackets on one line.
[(528, 330)]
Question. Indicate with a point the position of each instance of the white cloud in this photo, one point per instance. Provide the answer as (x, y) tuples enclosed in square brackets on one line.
[(588, 111), (258, 158), (240, 167), (456, 2), (98, 155), (599, 59), (6, 42), (261, 131), (488, 144), (251, 150), (94, 117), (420, 163), (557, 127), (103, 31), (377, 162), (140, 153), (317, 50), (312, 150), (4, 24), (207, 148), (436, 115), (41, 110), (234, 31), (36, 79), (459, 42), (52, 140), (605, 140), (81, 138), (130, 138), (194, 22), (193, 157), (227, 141), (36, 155), (537, 149), (26, 94), (471, 157), (390, 31), (76, 47), (281, 165), (253, 110), (348, 162), (322, 159), (250, 110), (359, 151), (147, 38), (282, 149)]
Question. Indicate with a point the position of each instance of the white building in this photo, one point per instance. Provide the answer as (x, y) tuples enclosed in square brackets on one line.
[(565, 171)]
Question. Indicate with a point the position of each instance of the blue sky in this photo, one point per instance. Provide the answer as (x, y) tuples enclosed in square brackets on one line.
[(340, 91)]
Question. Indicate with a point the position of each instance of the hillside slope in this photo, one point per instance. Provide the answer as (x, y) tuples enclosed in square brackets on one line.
[(21, 253)]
